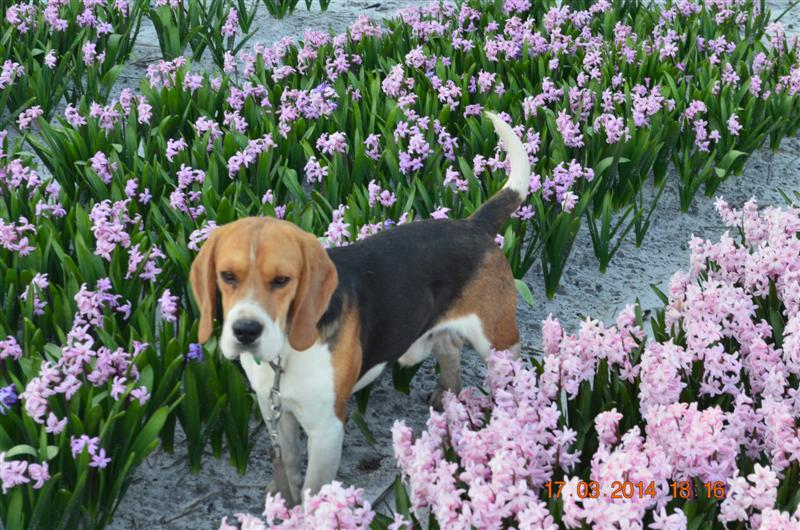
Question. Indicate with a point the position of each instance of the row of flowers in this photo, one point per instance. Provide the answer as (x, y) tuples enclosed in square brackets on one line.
[(77, 49), (607, 99), (95, 369)]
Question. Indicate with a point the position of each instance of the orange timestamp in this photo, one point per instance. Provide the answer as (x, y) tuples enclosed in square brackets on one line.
[(620, 489)]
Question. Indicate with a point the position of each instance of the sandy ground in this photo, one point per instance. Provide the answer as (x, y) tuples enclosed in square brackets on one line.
[(166, 496)]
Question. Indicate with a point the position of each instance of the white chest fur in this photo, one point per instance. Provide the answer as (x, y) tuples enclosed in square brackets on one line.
[(307, 384)]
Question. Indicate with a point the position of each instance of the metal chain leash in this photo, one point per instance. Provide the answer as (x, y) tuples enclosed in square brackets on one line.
[(275, 406), (276, 410)]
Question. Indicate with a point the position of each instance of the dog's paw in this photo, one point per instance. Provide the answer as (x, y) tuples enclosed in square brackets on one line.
[(436, 398), (272, 487)]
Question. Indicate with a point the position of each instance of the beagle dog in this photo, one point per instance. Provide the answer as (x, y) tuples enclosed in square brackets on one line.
[(336, 318)]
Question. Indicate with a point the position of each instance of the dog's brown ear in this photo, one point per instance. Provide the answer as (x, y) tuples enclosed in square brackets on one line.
[(203, 278), (317, 283)]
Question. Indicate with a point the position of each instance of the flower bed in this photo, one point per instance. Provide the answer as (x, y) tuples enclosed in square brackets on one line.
[(708, 405), (606, 98), (62, 49)]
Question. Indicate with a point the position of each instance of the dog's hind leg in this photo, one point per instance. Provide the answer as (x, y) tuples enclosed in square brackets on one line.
[(447, 350)]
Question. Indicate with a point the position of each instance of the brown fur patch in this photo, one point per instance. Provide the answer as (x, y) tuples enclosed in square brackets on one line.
[(492, 296), (346, 359)]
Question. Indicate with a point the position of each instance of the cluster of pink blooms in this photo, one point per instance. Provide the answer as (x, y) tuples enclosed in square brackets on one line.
[(73, 116), (81, 362), (243, 159), (309, 104), (90, 55), (164, 73), (697, 443), (204, 125), (380, 195), (332, 143), (28, 116), (168, 305), (558, 186), (333, 507), (13, 238), (13, 473), (506, 445), (418, 150), (180, 198), (364, 27), (10, 349), (37, 286), (230, 28), (110, 226), (703, 138), (18, 177), (17, 174), (315, 172), (9, 73), (107, 115), (22, 16), (484, 461), (753, 498), (632, 459), (98, 454), (338, 231), (103, 167), (452, 178), (397, 85), (197, 237), (99, 15), (174, 147), (569, 360), (372, 144), (150, 270)]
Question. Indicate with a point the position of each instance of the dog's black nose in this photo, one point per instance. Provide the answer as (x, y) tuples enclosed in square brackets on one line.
[(247, 331)]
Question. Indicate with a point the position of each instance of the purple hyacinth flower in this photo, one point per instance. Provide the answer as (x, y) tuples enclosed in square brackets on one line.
[(8, 398), (195, 352)]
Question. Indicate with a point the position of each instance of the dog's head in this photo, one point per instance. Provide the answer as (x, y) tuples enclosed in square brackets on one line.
[(276, 282)]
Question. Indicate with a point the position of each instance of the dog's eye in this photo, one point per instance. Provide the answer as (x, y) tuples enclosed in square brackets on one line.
[(228, 277), (279, 281)]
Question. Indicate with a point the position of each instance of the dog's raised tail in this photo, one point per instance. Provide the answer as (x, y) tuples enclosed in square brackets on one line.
[(496, 210)]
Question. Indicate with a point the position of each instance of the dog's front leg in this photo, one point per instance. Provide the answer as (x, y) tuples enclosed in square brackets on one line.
[(324, 453)]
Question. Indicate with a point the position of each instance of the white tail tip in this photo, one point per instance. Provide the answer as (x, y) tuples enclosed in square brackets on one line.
[(520, 178)]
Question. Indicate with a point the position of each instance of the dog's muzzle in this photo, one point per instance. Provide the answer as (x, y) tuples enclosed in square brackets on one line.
[(247, 331)]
